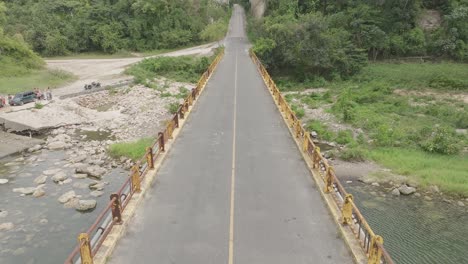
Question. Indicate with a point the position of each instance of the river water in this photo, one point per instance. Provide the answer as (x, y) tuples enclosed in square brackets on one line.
[(44, 231), (415, 230)]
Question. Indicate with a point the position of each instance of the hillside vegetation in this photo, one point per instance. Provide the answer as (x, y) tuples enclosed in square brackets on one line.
[(61, 27), (20, 68), (409, 117), (335, 39)]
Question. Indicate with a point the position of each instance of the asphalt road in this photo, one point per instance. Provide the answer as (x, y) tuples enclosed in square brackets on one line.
[(234, 188)]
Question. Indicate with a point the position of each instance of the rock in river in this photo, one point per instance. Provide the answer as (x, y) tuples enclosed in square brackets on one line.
[(3, 181), (25, 191), (38, 192), (41, 179), (85, 205), (406, 190), (57, 145), (51, 172), (66, 197), (92, 171), (96, 193), (396, 192), (6, 226), (60, 176)]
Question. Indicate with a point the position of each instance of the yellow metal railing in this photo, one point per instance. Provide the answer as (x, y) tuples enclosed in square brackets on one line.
[(90, 242), (351, 217)]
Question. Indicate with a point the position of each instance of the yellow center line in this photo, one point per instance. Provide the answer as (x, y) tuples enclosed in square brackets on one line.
[(233, 174)]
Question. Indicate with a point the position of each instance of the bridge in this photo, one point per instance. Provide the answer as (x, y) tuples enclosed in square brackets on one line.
[(234, 178)]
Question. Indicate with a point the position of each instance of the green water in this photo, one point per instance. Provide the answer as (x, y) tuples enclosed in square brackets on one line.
[(416, 230)]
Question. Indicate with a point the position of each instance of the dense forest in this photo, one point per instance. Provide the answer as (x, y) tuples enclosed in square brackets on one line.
[(337, 38), (59, 27)]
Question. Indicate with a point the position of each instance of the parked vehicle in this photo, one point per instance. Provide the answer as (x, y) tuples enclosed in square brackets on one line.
[(2, 102), (92, 85), (23, 98)]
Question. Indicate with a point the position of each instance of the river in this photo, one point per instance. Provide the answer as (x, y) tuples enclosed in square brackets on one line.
[(415, 230), (44, 231)]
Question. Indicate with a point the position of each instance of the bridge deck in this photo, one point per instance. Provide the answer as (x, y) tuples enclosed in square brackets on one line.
[(234, 174)]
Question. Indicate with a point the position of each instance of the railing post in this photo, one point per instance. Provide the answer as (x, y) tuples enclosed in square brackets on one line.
[(136, 181), (305, 144), (182, 111), (375, 251), (347, 210), (298, 128), (116, 208), (316, 158), (161, 141), (176, 120), (85, 249), (329, 180), (190, 100), (149, 157)]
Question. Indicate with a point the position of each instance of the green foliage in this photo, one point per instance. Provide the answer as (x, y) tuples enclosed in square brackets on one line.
[(182, 69), (446, 83), (60, 27), (322, 130), (344, 137), (173, 108), (306, 46), (442, 140), (134, 150), (299, 111), (38, 106), (336, 34), (412, 76), (16, 58), (369, 102), (353, 152), (215, 31), (447, 172), (33, 78)]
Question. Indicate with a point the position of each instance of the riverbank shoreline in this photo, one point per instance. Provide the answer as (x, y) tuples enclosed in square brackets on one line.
[(12, 143)]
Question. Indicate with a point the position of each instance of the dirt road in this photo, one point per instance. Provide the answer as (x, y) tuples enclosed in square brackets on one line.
[(109, 71)]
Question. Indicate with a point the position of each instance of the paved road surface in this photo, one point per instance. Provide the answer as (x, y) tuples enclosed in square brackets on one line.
[(234, 188)]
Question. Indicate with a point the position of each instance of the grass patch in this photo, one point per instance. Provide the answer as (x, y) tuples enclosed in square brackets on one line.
[(440, 76), (173, 107), (35, 78), (133, 150), (322, 130), (38, 106), (412, 133), (447, 172), (181, 69)]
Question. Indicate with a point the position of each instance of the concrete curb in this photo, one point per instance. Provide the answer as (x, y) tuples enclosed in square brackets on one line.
[(349, 238), (105, 251)]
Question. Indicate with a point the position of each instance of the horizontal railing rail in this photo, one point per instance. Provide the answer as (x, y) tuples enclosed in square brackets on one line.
[(90, 242), (371, 243)]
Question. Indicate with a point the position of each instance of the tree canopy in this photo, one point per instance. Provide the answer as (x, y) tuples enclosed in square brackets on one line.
[(58, 27), (336, 38)]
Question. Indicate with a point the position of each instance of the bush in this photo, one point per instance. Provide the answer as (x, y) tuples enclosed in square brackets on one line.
[(446, 83), (181, 69), (173, 108), (38, 106), (299, 111), (442, 140), (322, 130), (344, 137), (353, 153)]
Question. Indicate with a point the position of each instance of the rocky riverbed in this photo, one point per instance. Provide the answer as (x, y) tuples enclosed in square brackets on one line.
[(54, 189)]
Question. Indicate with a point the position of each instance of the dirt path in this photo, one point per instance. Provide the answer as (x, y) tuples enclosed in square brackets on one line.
[(109, 71)]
